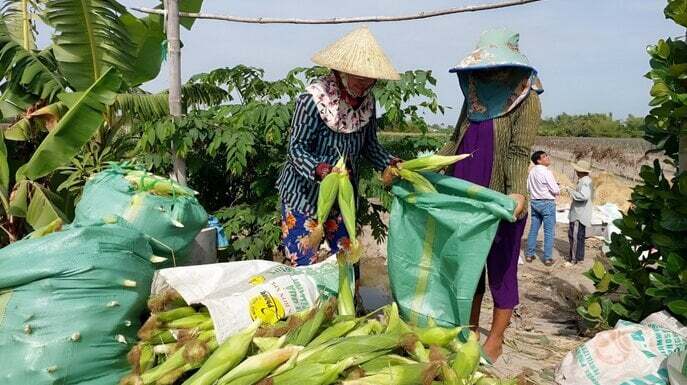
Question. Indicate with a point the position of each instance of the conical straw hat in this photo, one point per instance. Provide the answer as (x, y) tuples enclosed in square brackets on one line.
[(357, 53)]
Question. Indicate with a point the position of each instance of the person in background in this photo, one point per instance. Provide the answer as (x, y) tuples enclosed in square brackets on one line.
[(497, 124), (543, 190), (580, 216), (334, 117)]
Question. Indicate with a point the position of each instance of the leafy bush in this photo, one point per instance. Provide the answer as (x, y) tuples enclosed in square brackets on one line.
[(648, 258)]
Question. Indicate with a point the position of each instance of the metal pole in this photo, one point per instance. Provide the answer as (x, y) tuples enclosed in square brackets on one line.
[(682, 151), (174, 61)]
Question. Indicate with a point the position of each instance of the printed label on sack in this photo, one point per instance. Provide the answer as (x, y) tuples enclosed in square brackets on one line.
[(267, 308), (257, 280)]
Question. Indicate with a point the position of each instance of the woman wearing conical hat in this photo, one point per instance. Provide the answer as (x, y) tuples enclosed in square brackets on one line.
[(334, 117), (498, 124)]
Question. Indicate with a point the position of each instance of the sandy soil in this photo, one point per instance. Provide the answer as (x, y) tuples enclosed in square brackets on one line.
[(544, 327)]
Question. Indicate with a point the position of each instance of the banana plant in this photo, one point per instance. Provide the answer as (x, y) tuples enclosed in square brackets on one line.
[(66, 95)]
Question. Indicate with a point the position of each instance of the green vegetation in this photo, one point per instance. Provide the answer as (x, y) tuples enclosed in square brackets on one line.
[(648, 263), (592, 125)]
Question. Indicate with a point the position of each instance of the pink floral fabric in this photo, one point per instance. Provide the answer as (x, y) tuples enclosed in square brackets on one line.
[(334, 111)]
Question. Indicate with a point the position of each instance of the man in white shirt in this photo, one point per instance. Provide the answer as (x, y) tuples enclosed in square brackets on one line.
[(543, 190)]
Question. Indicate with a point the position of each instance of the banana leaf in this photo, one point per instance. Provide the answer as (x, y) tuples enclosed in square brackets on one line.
[(88, 39), (76, 127)]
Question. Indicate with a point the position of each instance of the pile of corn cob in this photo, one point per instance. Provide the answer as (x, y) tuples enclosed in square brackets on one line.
[(319, 347), (143, 181)]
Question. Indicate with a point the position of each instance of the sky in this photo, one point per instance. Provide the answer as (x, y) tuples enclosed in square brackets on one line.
[(590, 54)]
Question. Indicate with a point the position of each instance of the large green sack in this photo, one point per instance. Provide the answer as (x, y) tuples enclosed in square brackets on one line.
[(171, 222), (438, 245), (70, 304)]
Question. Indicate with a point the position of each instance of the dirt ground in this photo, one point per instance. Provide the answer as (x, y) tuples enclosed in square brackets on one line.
[(544, 327)]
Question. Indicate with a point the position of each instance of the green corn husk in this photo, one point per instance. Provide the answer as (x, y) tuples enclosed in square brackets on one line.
[(326, 197), (432, 162), (175, 314), (345, 300), (370, 327), (265, 344), (146, 359), (394, 323), (467, 358), (437, 335), (145, 181), (335, 331), (177, 360), (257, 367), (310, 374), (227, 356), (415, 348), (189, 322), (377, 364), (350, 346), (412, 374), (449, 375), (161, 337), (306, 332), (419, 182)]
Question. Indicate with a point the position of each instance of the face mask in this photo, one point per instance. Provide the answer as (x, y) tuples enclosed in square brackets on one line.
[(344, 80)]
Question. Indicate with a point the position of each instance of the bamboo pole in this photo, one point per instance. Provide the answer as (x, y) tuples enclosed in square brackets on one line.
[(344, 20), (174, 62)]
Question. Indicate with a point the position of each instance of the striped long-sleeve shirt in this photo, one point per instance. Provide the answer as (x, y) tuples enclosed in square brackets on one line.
[(312, 143)]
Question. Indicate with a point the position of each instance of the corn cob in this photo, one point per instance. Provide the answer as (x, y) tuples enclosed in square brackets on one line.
[(144, 181), (265, 344), (335, 331), (412, 374), (370, 327), (419, 182), (173, 362), (348, 346), (467, 358), (346, 200), (377, 364), (326, 197), (189, 322), (432, 162), (228, 355), (437, 335), (175, 314), (50, 228), (394, 323), (310, 374), (306, 332), (449, 375), (257, 367)]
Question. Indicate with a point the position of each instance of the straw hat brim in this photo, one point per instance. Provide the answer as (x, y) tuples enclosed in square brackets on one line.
[(579, 168), (358, 53)]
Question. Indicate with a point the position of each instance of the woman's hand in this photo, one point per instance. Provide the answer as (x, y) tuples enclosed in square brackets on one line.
[(520, 209), (391, 172)]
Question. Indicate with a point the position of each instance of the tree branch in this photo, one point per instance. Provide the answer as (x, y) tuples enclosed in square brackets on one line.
[(343, 20)]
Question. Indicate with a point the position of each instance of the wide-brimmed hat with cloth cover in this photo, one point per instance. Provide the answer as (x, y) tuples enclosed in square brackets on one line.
[(496, 76)]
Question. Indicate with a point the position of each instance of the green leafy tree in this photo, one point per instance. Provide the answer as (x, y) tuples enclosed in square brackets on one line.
[(648, 263)]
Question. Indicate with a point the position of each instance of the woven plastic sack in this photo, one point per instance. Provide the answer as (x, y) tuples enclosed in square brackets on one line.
[(629, 354), (171, 222), (70, 304), (237, 293), (438, 245)]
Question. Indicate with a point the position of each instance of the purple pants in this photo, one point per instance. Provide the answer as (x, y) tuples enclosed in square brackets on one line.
[(502, 265), (502, 262)]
